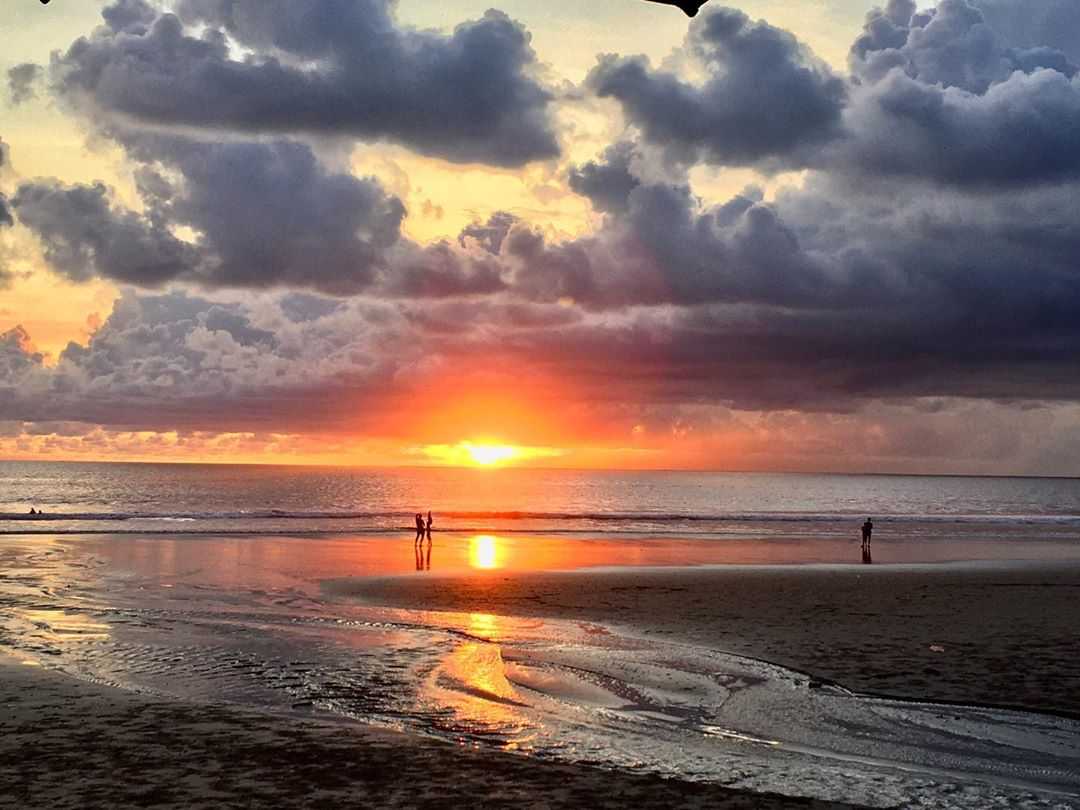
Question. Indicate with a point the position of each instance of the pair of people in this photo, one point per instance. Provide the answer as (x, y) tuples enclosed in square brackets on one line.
[(423, 528)]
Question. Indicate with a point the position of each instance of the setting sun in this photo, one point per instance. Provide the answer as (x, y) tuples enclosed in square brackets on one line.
[(488, 454), (483, 454)]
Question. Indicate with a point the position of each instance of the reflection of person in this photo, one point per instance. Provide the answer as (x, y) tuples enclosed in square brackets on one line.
[(419, 527), (423, 557), (428, 525), (866, 558), (867, 532)]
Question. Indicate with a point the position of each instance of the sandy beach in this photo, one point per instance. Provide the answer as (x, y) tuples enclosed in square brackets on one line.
[(65, 743), (1000, 634), (253, 669)]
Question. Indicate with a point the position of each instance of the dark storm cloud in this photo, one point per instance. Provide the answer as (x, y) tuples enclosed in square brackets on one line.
[(669, 249), (1020, 131), (439, 271), (765, 97), (607, 183), (85, 235), (22, 81), (266, 214), (951, 45), (17, 356), (946, 97), (1033, 23), (338, 67), (489, 235), (262, 215)]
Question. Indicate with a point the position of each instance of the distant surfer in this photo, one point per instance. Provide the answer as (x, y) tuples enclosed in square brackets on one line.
[(689, 7), (427, 525)]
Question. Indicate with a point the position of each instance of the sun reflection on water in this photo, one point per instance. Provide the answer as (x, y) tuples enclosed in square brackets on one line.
[(484, 552)]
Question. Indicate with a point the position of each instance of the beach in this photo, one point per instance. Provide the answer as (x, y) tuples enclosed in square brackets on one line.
[(994, 633), (316, 671), (65, 743)]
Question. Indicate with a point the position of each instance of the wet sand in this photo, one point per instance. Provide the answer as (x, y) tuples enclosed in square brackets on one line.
[(993, 633), (65, 743)]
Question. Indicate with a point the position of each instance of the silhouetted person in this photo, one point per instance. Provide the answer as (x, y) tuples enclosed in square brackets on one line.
[(867, 532), (427, 525), (419, 528), (689, 7)]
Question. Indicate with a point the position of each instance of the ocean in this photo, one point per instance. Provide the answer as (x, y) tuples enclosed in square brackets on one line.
[(233, 499)]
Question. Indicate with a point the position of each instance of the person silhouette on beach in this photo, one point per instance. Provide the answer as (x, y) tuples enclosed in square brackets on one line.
[(419, 528), (690, 7), (867, 532), (427, 526)]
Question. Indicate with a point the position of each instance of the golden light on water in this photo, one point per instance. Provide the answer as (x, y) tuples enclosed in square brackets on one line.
[(486, 454), (484, 552)]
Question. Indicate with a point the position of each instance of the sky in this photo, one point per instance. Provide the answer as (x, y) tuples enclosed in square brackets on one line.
[(824, 235)]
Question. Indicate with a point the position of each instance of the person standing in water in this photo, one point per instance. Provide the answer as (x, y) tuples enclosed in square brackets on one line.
[(428, 525), (419, 528), (867, 532)]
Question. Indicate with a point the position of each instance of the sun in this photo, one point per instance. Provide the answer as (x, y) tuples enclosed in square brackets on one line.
[(486, 454)]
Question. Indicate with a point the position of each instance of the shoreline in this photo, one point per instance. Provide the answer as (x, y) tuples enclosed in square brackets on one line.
[(67, 743)]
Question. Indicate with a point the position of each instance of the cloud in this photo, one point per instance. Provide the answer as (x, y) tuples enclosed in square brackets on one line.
[(264, 214), (22, 81), (17, 356), (946, 97), (489, 235), (927, 253), (189, 362), (85, 235), (1018, 132), (951, 45), (764, 99), (340, 67), (1033, 23), (607, 183)]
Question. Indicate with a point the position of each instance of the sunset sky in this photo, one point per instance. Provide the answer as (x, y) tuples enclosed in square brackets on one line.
[(813, 235)]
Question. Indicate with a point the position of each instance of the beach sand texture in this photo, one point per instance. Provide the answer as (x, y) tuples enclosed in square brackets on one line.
[(65, 743)]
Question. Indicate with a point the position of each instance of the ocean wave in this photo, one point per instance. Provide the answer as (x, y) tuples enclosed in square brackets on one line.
[(555, 517)]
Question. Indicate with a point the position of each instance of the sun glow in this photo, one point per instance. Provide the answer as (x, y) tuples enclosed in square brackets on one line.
[(484, 454), (484, 552)]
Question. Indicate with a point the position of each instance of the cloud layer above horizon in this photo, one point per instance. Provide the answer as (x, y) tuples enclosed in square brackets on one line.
[(905, 253)]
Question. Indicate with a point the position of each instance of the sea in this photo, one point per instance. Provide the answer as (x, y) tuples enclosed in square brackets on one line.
[(245, 585), (111, 498)]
